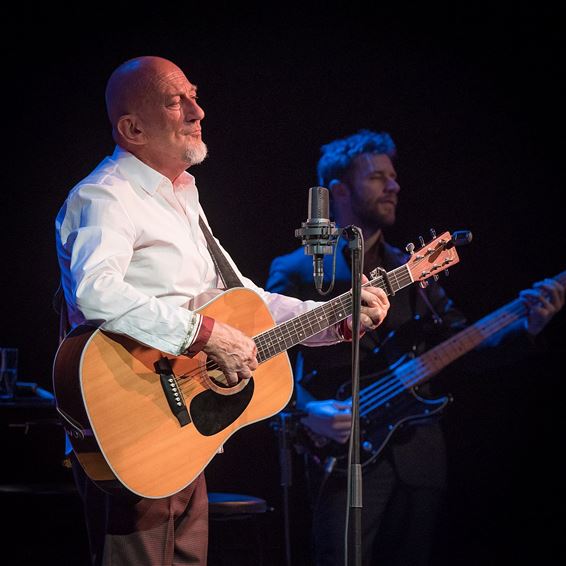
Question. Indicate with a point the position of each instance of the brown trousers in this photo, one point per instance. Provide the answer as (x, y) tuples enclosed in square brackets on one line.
[(124, 529)]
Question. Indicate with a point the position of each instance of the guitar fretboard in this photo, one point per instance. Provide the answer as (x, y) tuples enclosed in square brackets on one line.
[(431, 362), (422, 368), (296, 330)]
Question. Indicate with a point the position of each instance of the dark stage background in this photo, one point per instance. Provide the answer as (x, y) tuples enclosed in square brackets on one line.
[(475, 106)]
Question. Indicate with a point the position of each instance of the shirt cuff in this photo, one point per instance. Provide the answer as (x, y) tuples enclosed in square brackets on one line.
[(202, 335), (344, 331)]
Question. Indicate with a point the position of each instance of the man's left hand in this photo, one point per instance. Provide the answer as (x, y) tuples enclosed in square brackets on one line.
[(375, 305), (543, 301)]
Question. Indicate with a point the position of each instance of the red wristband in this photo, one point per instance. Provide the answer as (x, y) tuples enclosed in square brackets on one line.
[(345, 332), (203, 334)]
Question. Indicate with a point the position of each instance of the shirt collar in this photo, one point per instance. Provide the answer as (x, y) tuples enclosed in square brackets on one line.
[(144, 175)]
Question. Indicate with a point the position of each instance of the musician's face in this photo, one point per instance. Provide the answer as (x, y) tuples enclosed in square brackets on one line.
[(373, 190), (172, 119)]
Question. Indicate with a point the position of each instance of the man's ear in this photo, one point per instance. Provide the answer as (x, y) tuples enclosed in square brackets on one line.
[(338, 189), (130, 129)]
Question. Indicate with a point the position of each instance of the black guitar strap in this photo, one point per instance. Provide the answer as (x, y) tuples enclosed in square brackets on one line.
[(435, 316), (227, 273), (59, 305)]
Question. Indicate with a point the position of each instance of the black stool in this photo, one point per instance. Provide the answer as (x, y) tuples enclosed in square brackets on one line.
[(230, 543)]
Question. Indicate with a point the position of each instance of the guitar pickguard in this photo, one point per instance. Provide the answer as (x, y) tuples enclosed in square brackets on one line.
[(212, 413)]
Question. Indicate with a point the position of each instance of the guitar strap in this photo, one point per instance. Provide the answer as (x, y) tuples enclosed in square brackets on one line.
[(435, 316), (225, 270), (59, 305)]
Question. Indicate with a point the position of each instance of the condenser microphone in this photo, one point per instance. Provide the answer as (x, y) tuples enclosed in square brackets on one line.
[(318, 234)]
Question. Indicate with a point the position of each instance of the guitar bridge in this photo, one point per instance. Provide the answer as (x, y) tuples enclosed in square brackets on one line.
[(172, 391)]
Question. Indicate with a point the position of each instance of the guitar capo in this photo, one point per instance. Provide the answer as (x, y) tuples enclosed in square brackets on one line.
[(380, 271)]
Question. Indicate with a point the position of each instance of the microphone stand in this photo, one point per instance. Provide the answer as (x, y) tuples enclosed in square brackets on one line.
[(284, 424), (318, 235), (353, 532)]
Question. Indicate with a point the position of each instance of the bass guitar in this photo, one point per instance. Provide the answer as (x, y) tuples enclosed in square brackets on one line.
[(391, 400), (153, 421)]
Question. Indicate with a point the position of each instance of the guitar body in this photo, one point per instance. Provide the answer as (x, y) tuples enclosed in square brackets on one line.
[(393, 407), (376, 430), (120, 412)]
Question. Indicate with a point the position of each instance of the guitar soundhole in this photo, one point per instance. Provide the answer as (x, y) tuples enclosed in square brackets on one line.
[(219, 378), (212, 412)]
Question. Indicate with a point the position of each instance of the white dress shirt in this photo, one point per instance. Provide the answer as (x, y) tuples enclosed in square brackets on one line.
[(132, 257)]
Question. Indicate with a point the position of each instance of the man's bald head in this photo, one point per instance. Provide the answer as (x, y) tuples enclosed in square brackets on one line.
[(132, 83), (155, 115)]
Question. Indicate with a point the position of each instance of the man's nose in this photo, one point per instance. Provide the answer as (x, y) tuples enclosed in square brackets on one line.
[(193, 111), (393, 186)]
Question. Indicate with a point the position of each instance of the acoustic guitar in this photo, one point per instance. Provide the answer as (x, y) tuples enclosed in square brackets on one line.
[(153, 421)]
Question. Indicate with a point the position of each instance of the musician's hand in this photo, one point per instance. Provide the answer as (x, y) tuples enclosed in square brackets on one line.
[(543, 301), (375, 305), (233, 351), (330, 418)]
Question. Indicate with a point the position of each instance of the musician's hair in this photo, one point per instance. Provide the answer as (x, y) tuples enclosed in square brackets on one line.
[(337, 156)]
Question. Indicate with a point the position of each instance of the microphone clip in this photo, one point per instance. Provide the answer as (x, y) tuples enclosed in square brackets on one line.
[(318, 234), (318, 239)]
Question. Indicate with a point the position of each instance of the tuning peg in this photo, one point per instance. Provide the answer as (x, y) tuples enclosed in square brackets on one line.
[(410, 248), (423, 284), (461, 237), (433, 233), (446, 272), (435, 277), (421, 240)]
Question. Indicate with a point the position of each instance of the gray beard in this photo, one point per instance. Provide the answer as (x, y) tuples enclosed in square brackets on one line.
[(196, 153)]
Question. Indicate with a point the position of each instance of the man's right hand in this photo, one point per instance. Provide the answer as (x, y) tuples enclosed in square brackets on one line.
[(329, 418), (233, 351)]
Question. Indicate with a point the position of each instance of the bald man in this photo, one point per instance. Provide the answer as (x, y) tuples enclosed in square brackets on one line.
[(133, 258)]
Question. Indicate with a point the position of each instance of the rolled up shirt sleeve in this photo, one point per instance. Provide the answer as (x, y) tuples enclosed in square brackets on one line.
[(96, 246)]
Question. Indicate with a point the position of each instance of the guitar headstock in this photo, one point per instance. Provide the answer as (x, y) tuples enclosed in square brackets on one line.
[(433, 258)]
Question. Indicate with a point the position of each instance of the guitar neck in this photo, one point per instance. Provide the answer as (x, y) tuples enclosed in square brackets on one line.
[(431, 362), (294, 331)]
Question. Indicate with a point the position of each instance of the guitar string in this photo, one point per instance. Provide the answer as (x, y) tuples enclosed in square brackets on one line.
[(400, 379), (262, 341), (490, 324), (476, 333), (411, 372), (380, 281), (403, 376), (401, 279)]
